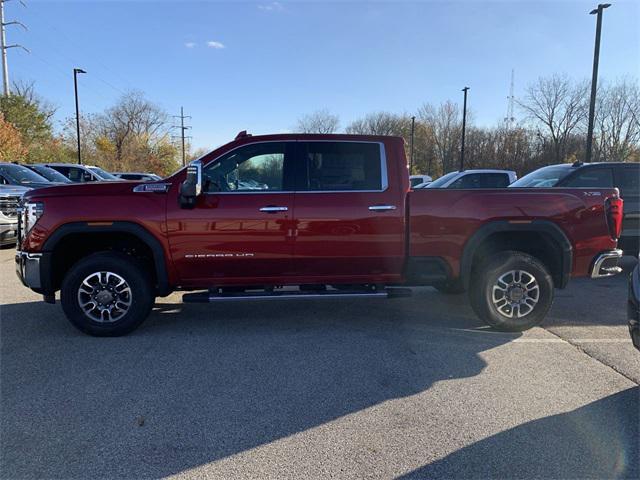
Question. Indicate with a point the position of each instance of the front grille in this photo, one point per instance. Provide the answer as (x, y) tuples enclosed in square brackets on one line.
[(9, 205)]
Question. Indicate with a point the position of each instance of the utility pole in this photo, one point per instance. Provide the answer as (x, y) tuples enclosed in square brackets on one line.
[(510, 119), (594, 78), (4, 47), (413, 129), (182, 137), (464, 127), (76, 71)]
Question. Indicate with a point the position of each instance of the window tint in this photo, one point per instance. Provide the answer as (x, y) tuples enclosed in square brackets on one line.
[(628, 180), (72, 173), (481, 180), (592, 177), (330, 166), (256, 167)]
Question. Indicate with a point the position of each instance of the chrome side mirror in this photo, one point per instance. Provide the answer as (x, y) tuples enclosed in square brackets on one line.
[(191, 188)]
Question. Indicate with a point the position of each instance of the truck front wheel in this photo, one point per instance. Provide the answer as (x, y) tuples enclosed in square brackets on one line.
[(511, 291), (107, 294)]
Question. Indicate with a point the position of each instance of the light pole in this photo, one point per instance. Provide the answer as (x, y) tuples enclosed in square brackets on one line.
[(76, 71), (413, 129), (594, 79), (464, 127)]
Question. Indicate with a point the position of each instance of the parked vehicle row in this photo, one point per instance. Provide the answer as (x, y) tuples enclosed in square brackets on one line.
[(477, 178), (335, 217)]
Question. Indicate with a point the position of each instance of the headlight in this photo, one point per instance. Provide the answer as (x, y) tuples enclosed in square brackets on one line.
[(31, 212)]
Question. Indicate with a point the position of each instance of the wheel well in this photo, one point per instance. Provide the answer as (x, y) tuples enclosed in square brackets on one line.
[(75, 246), (537, 244)]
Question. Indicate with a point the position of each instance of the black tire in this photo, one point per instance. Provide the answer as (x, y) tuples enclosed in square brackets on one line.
[(128, 268), (485, 277), (454, 287)]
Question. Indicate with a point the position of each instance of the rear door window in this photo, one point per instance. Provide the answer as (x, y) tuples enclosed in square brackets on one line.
[(627, 179), (592, 178), (340, 166)]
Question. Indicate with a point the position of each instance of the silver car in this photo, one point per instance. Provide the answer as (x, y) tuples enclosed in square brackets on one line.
[(10, 197)]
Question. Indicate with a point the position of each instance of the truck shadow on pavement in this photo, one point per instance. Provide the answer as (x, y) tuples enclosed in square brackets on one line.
[(198, 383), (599, 440)]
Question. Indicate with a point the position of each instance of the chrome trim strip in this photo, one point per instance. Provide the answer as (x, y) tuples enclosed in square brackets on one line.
[(610, 271), (380, 208), (274, 209)]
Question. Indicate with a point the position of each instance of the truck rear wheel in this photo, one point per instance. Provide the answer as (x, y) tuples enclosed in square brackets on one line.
[(107, 294), (511, 291)]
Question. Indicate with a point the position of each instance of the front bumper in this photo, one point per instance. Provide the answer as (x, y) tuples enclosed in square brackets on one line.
[(8, 233), (28, 269), (606, 264)]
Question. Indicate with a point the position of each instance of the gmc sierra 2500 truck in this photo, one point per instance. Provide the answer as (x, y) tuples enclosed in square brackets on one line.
[(308, 216)]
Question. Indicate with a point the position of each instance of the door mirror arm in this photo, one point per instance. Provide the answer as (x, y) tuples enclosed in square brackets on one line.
[(191, 188)]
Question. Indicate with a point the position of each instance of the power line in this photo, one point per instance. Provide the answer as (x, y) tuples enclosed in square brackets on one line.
[(94, 58), (182, 128)]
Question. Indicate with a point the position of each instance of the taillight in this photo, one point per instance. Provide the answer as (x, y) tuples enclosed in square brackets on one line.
[(613, 207)]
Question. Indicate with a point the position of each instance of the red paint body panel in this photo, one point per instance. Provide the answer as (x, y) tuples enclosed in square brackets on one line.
[(442, 221), (322, 237)]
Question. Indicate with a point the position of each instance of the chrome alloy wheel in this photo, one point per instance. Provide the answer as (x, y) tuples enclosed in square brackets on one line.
[(515, 294), (104, 297)]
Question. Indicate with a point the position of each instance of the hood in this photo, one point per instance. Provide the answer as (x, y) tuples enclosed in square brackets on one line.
[(34, 185), (13, 190), (84, 189)]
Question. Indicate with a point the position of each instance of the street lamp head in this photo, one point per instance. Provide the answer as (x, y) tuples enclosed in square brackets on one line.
[(601, 6), (465, 89), (78, 70)]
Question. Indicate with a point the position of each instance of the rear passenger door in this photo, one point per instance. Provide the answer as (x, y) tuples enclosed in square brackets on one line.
[(349, 212)]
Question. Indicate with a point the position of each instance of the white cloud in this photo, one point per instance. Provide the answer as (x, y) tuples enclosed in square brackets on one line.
[(216, 45), (190, 44), (271, 7)]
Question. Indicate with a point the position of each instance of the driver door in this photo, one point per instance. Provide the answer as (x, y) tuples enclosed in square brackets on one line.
[(240, 231)]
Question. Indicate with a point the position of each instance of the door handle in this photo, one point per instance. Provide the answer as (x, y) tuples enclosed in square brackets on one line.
[(273, 209), (381, 208)]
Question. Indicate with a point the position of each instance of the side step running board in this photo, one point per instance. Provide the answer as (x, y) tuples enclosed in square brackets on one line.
[(210, 297)]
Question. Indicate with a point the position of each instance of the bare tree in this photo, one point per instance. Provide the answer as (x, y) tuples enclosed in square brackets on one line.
[(560, 105), (381, 123), (617, 121), (320, 121), (445, 123), (133, 118)]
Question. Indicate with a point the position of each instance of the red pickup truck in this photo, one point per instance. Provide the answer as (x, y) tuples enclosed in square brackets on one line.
[(308, 216)]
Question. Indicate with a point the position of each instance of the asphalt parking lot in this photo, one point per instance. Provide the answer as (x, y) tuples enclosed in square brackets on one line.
[(410, 388)]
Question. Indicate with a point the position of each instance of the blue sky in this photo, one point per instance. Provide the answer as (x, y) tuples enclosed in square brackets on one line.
[(260, 65)]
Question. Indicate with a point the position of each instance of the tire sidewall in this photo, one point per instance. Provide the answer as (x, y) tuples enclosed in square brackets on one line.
[(486, 278), (121, 264)]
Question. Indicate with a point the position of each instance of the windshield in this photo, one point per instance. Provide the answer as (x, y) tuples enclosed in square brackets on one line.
[(103, 174), (20, 175), (442, 180), (543, 177), (50, 174)]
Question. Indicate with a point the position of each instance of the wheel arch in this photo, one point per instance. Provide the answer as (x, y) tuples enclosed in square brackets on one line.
[(557, 251), (127, 230)]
